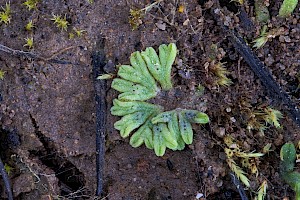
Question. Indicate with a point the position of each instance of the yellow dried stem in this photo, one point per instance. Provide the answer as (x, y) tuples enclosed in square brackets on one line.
[(238, 172), (262, 190), (248, 155)]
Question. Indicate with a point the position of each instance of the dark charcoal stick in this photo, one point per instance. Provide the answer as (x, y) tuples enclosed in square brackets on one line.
[(272, 87), (264, 75), (6, 180), (98, 62)]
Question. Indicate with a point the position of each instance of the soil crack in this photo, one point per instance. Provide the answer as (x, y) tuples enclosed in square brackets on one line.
[(70, 178)]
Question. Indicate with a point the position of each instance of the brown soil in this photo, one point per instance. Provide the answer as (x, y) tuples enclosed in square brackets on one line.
[(47, 110)]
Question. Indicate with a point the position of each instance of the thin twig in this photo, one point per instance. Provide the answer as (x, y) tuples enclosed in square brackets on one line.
[(59, 52), (6, 180), (98, 62), (31, 55)]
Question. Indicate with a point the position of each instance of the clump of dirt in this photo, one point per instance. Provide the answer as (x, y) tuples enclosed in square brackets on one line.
[(47, 110)]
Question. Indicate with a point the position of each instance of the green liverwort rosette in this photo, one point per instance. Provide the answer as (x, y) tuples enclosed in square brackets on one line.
[(146, 123)]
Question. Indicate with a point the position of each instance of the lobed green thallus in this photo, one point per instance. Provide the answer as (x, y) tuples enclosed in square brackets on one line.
[(288, 158), (149, 73), (287, 7)]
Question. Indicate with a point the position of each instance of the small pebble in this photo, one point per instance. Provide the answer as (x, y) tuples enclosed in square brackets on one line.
[(281, 38), (220, 183), (228, 109), (232, 119), (222, 156), (269, 60), (295, 21), (220, 132), (161, 25), (199, 195), (287, 38)]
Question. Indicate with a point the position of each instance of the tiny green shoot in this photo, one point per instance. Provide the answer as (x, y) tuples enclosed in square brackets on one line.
[(61, 22), (2, 73), (29, 42), (262, 190), (238, 171), (234, 152), (31, 4), (5, 15), (105, 76), (272, 116), (78, 32), (221, 73), (260, 118), (267, 148), (266, 36), (29, 26), (8, 169), (136, 15)]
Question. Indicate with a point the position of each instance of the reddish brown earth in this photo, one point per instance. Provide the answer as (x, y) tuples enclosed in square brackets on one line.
[(47, 110)]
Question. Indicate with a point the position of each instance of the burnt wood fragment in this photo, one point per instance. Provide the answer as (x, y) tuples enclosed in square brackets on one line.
[(98, 62)]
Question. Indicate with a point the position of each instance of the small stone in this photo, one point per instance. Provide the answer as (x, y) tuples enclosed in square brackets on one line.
[(227, 21), (287, 39), (161, 25), (295, 21), (222, 156), (232, 119), (220, 183), (281, 38), (220, 132), (233, 146), (246, 145), (186, 22), (82, 59), (269, 60), (199, 195), (179, 63)]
